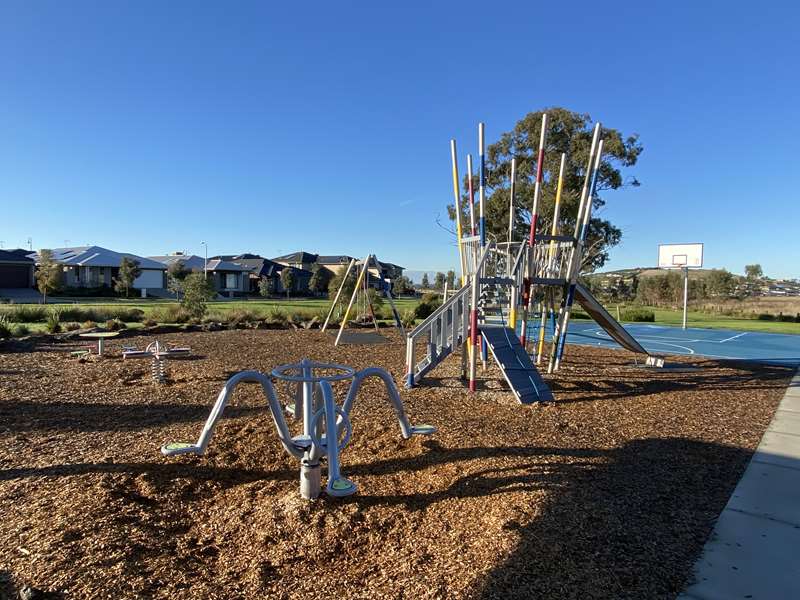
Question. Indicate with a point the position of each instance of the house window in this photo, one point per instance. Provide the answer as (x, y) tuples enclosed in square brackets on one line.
[(231, 281)]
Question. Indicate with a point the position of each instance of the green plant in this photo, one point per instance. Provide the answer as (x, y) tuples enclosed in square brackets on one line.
[(115, 325), (408, 318), (5, 327), (71, 326), (429, 303), (53, 323), (88, 324), (642, 315), (171, 313), (197, 290), (48, 274), (20, 330), (128, 272), (149, 322), (25, 314), (277, 317)]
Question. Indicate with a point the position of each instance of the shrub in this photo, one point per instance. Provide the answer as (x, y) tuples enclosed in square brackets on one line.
[(408, 319), (149, 322), (5, 327), (20, 330), (53, 323), (429, 303), (241, 315), (765, 317), (197, 290), (171, 313), (277, 317), (640, 315), (88, 325), (26, 314), (71, 326), (115, 325)]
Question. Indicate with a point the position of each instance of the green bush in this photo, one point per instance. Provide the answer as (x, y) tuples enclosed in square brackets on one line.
[(765, 317), (171, 313), (277, 317), (53, 323), (20, 330), (149, 322), (115, 325), (638, 315), (25, 314), (5, 327), (240, 315), (88, 325), (71, 326), (408, 318), (429, 303)]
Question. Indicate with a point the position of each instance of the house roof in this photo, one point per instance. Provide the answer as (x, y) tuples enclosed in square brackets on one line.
[(95, 256), (297, 257), (15, 256), (339, 259), (223, 265), (198, 263)]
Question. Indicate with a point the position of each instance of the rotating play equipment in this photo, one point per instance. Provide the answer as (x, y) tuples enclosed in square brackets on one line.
[(326, 426)]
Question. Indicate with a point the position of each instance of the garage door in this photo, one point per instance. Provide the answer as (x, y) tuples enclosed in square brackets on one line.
[(14, 276)]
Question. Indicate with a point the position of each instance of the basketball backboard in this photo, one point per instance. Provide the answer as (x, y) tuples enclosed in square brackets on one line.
[(678, 256)]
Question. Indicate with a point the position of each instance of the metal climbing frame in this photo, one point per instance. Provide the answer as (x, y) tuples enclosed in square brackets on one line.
[(316, 407)]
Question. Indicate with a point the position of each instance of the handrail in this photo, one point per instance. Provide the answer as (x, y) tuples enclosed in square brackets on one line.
[(419, 329)]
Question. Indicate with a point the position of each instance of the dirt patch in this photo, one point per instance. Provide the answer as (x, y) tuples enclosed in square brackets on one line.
[(609, 492)]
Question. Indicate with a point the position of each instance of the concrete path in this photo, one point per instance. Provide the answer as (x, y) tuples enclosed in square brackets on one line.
[(754, 550)]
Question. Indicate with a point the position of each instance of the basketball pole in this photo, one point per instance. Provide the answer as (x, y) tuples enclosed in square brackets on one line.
[(685, 293)]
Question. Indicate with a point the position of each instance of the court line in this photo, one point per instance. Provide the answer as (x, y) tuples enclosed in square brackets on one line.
[(733, 337)]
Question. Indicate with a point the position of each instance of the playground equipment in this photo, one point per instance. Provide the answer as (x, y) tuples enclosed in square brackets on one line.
[(504, 280), (361, 290), (326, 426), (158, 353)]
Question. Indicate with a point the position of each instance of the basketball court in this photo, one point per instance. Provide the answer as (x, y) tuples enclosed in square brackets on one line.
[(710, 343)]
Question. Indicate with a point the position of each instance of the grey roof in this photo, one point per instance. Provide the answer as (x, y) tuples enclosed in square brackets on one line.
[(15, 256), (197, 263), (339, 259), (95, 256), (297, 257)]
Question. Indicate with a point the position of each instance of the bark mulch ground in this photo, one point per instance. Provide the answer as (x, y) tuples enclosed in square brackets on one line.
[(609, 492)]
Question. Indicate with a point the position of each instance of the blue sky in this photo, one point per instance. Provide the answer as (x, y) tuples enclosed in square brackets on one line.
[(269, 127)]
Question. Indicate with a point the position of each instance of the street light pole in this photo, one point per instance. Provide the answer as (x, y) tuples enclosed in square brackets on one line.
[(205, 262)]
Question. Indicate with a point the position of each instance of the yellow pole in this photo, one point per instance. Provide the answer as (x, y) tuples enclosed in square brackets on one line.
[(551, 250), (457, 205), (352, 298)]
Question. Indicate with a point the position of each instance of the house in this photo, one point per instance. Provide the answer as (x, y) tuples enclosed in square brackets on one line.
[(334, 264), (227, 277), (16, 269), (298, 260), (260, 267), (96, 267)]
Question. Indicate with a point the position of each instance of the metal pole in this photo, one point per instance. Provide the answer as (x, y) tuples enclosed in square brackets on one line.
[(338, 293), (471, 195), (532, 234), (481, 218), (577, 257), (205, 262), (550, 255), (457, 205), (685, 293), (352, 299)]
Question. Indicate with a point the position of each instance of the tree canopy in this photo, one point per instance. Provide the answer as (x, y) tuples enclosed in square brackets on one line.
[(567, 132)]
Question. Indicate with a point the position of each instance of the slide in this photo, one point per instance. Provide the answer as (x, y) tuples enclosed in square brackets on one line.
[(606, 321), (518, 370)]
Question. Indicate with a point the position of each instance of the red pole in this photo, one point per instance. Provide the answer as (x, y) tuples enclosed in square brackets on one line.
[(526, 284)]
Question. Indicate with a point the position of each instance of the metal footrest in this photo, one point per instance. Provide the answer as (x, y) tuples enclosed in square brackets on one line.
[(176, 448)]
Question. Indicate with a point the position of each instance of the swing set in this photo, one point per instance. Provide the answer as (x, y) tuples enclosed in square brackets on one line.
[(360, 298)]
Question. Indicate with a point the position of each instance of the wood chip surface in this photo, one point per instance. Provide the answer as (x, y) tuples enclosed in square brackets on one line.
[(609, 492)]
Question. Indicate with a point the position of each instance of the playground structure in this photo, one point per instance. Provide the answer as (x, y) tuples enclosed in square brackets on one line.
[(158, 353), (326, 426), (505, 283), (361, 292)]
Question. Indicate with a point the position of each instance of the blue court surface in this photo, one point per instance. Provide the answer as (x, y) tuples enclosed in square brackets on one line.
[(754, 346)]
